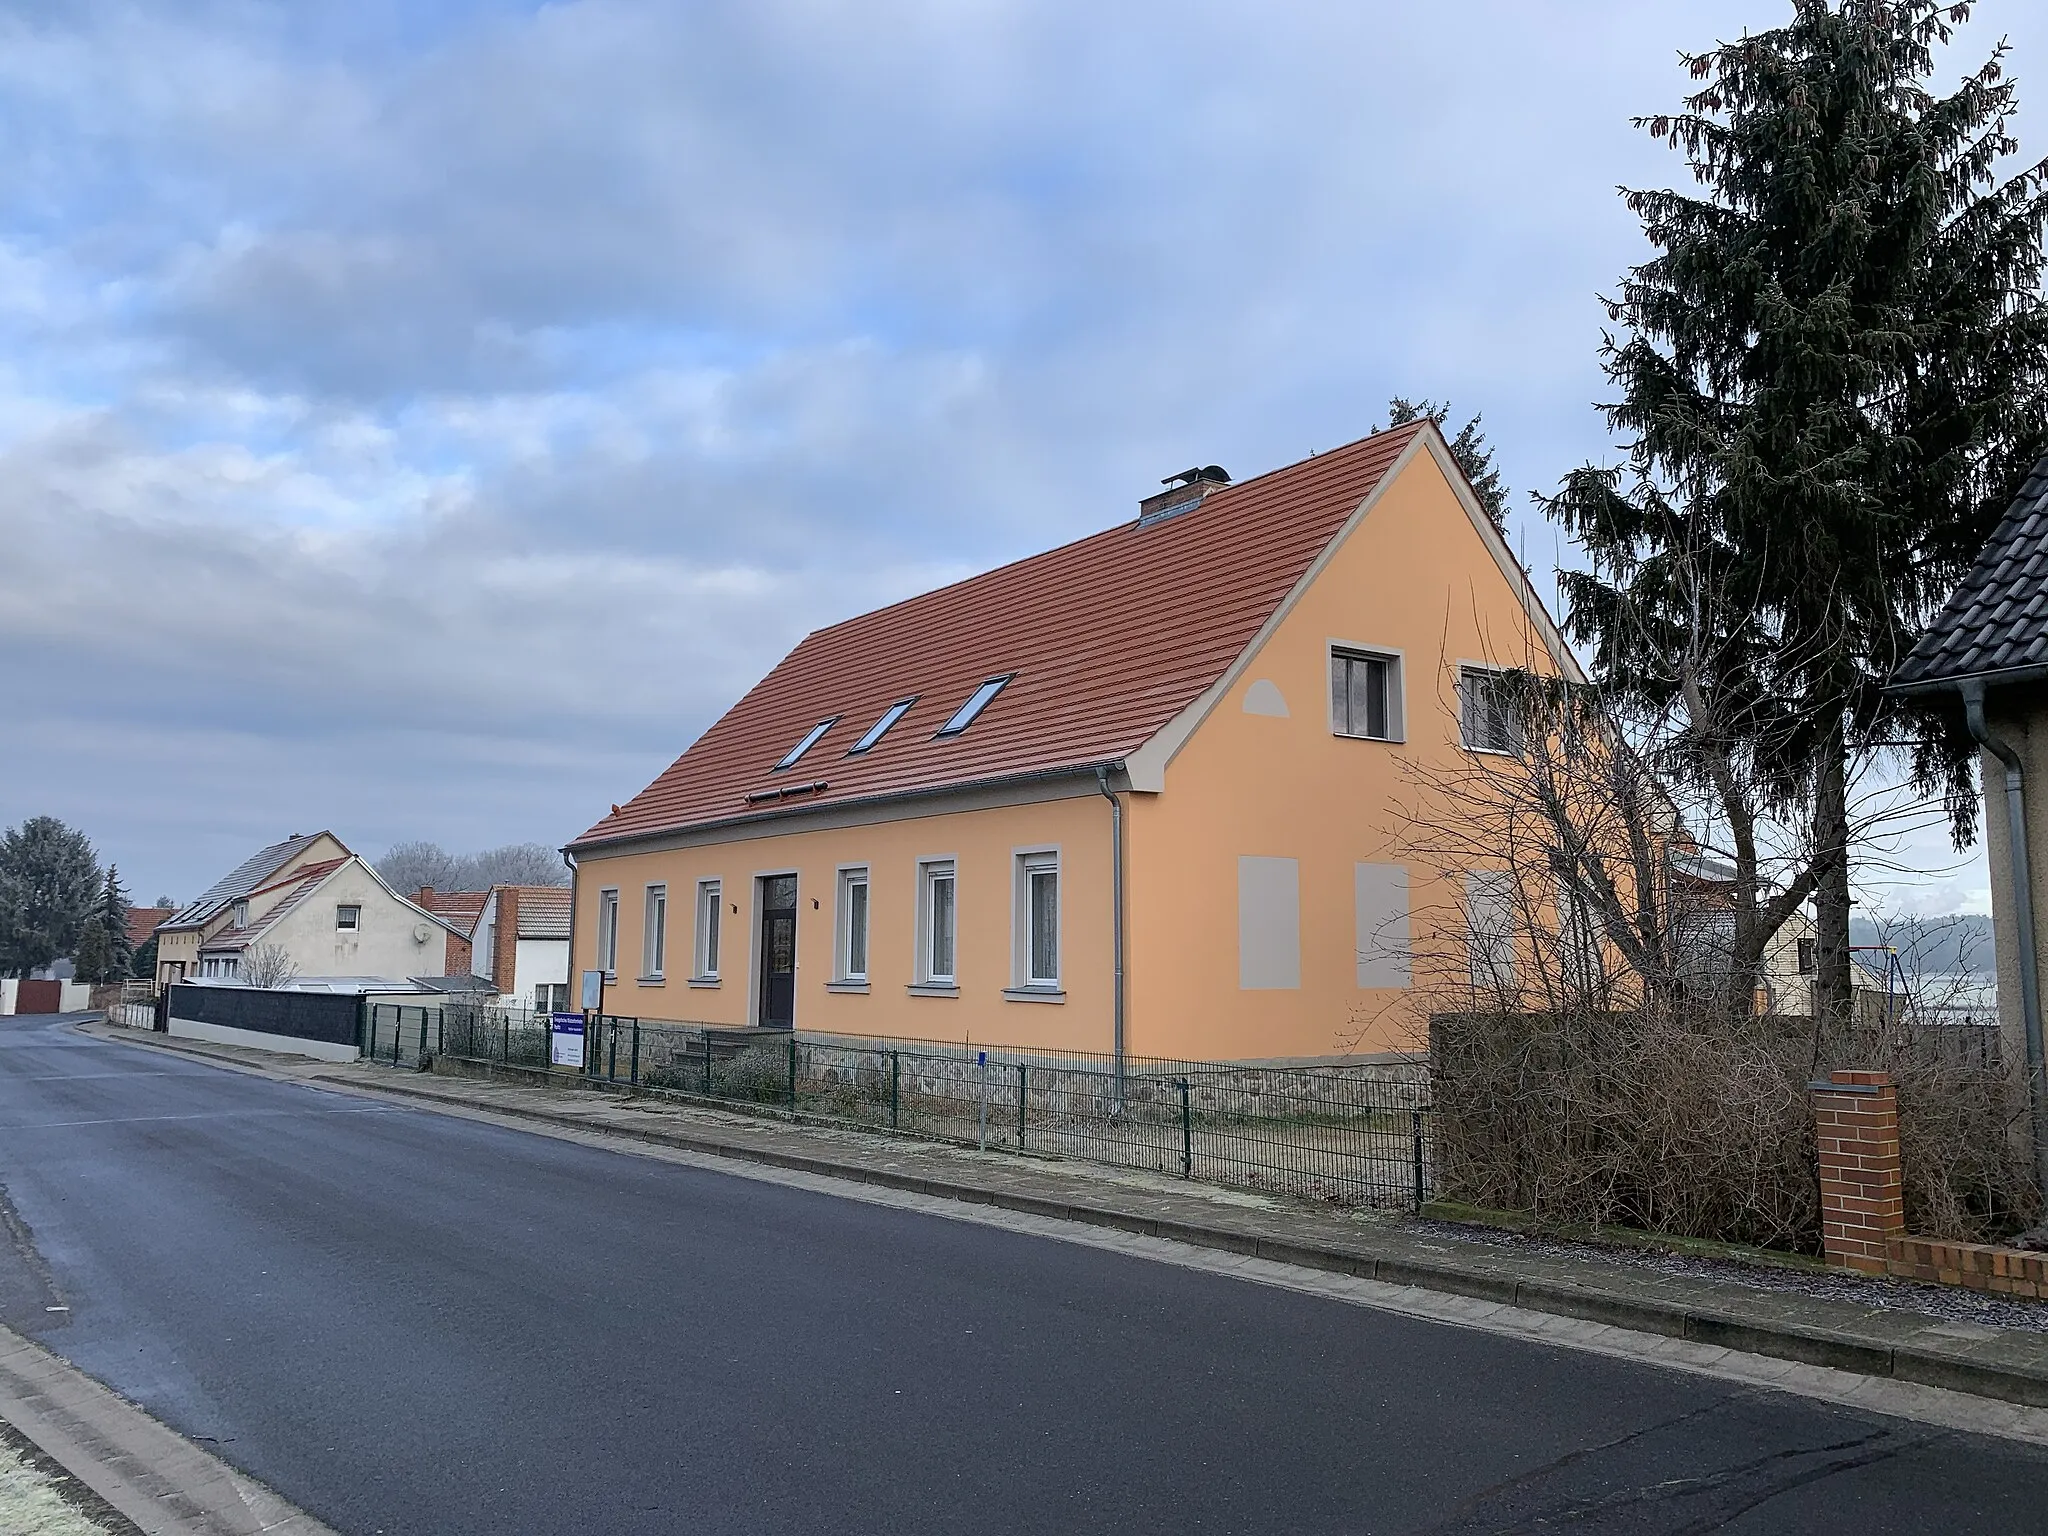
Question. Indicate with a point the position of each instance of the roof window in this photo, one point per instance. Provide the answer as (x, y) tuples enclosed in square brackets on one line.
[(810, 740), (880, 728), (963, 717)]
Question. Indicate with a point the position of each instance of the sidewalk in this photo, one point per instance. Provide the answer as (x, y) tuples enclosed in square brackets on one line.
[(1762, 1318)]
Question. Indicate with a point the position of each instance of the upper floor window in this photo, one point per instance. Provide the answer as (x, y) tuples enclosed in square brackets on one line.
[(1489, 715), (977, 701), (880, 728), (1365, 694), (348, 918), (811, 738), (241, 914)]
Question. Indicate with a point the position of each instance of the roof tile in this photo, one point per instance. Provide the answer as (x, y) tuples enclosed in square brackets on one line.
[(1997, 619), (1109, 638)]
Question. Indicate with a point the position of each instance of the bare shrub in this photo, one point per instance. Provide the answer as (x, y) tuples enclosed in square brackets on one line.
[(1610, 1043), (268, 965)]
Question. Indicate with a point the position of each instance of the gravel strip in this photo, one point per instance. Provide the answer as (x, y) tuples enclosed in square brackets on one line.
[(1950, 1303)]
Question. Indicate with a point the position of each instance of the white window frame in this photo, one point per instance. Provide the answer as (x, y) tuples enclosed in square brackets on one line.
[(344, 907), (1028, 863), (709, 933), (930, 872), (1468, 670), (608, 932), (853, 877), (654, 931), (240, 916), (1397, 689)]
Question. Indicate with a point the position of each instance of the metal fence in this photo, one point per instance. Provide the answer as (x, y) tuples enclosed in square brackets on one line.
[(1358, 1135)]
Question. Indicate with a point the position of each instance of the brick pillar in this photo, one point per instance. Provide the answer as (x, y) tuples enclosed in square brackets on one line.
[(505, 942), (458, 957), (1862, 1192)]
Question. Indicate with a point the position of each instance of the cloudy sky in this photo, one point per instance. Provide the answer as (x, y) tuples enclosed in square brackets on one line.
[(420, 419)]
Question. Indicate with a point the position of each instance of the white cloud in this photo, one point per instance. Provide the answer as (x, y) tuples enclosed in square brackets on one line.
[(425, 418)]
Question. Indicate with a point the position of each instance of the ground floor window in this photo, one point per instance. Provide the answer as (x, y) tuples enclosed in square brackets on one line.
[(852, 916), (710, 904), (936, 879), (1038, 912)]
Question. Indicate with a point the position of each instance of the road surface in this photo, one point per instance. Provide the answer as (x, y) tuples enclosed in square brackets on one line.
[(408, 1322)]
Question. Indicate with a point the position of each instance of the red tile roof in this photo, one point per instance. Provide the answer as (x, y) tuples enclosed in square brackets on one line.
[(459, 909), (144, 921), (1109, 638), (543, 912)]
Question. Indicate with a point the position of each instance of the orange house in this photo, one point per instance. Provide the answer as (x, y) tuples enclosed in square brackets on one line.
[(1139, 793)]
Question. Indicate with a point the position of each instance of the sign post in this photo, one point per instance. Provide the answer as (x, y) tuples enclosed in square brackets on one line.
[(593, 1014), (565, 1040)]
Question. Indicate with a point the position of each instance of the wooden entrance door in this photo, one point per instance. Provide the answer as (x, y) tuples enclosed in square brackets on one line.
[(778, 952)]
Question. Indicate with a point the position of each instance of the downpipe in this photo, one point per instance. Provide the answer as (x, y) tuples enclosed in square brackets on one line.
[(1116, 888), (2023, 918)]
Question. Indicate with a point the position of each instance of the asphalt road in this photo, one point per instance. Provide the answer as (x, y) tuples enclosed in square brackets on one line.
[(407, 1322)]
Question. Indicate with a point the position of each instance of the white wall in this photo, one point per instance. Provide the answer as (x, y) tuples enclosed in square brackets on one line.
[(7, 984), (382, 946), (539, 960), (290, 1045)]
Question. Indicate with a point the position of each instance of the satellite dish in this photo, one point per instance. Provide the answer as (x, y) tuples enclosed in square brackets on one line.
[(420, 932)]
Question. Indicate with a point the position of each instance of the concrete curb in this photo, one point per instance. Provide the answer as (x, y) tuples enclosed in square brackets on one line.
[(1966, 1368), (151, 1475)]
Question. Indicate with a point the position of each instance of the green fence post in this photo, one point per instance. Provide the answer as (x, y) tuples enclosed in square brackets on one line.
[(1415, 1118), (397, 1029), (611, 1055), (1187, 1134), (792, 1069), (895, 1076), (633, 1072), (1021, 1070), (506, 1055), (707, 1063)]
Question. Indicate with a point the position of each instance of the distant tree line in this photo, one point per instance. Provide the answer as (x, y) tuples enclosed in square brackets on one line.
[(408, 866)]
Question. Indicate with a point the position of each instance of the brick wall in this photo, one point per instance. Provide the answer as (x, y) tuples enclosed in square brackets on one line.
[(505, 940), (2008, 1271), (1862, 1192)]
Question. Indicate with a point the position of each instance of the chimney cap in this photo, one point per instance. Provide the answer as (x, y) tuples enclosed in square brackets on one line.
[(1184, 492)]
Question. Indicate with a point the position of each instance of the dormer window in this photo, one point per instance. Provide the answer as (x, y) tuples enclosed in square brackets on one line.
[(964, 716), (810, 740), (241, 914), (880, 728)]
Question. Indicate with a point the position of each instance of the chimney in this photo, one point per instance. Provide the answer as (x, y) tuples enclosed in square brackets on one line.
[(427, 897), (505, 940), (1183, 493)]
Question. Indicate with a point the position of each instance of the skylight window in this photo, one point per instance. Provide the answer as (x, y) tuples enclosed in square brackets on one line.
[(880, 728), (810, 740), (963, 717)]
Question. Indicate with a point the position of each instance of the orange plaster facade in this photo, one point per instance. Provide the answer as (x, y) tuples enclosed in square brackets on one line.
[(1413, 576)]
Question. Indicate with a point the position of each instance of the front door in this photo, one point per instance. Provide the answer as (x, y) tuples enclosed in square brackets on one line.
[(778, 952)]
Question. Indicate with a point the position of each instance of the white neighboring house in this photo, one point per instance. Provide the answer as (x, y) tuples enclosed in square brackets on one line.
[(521, 942), (334, 917)]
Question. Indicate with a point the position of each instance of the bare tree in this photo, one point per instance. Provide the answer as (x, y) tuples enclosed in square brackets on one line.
[(1610, 1040), (268, 965), (408, 866)]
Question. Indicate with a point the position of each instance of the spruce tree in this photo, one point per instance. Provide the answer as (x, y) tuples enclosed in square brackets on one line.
[(1831, 380), (49, 889), (113, 921)]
